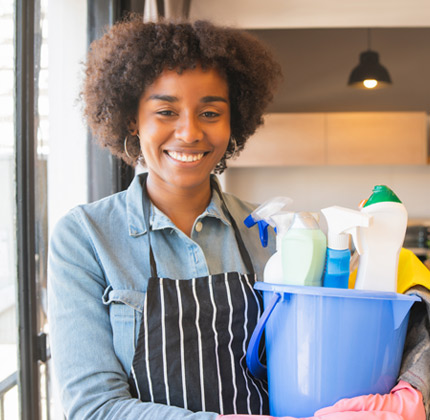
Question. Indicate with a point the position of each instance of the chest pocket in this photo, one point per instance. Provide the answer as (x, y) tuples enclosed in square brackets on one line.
[(125, 311)]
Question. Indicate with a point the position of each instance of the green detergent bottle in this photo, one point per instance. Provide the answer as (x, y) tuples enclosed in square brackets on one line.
[(303, 252)]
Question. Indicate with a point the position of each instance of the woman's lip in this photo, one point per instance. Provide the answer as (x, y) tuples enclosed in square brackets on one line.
[(186, 151)]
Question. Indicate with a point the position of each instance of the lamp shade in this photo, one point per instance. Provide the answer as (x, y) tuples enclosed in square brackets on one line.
[(371, 71)]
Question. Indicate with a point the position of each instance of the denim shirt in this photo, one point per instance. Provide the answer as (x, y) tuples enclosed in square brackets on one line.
[(98, 274)]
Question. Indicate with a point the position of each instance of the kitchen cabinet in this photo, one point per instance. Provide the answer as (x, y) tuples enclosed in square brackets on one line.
[(376, 138), (286, 139), (344, 138)]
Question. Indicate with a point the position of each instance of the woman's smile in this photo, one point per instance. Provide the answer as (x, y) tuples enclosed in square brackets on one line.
[(185, 156)]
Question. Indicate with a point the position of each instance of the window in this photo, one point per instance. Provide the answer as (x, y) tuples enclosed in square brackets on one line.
[(46, 168), (32, 135)]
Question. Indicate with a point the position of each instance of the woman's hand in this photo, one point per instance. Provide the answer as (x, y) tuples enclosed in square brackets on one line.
[(403, 403), (347, 415)]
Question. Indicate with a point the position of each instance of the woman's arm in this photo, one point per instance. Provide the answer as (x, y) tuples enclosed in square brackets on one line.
[(415, 367), (92, 382)]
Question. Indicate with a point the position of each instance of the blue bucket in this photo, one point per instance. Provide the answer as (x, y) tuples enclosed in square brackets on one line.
[(325, 344)]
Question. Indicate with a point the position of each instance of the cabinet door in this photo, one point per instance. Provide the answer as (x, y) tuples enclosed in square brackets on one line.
[(285, 139), (366, 138)]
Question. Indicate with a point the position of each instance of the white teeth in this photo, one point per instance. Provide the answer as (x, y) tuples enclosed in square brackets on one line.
[(183, 157)]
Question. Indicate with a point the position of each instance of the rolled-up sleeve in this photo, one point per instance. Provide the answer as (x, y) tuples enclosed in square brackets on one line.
[(91, 379)]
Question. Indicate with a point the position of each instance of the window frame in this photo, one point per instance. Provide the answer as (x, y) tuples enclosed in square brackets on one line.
[(25, 149)]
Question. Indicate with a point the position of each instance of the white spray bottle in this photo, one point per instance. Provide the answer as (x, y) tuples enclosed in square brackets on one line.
[(273, 271), (269, 213), (381, 242), (341, 223)]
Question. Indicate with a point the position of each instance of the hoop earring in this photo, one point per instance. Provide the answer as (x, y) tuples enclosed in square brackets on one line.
[(125, 147)]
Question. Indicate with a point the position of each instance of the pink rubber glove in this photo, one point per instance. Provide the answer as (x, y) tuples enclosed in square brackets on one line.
[(346, 415), (402, 403), (254, 417)]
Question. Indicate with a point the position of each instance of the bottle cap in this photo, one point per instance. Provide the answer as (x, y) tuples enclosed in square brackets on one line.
[(380, 194)]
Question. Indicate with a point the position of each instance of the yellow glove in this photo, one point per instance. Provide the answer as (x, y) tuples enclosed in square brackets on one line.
[(411, 272)]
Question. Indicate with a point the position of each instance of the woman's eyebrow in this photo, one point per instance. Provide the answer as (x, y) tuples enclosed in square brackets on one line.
[(169, 98), (166, 98), (207, 99)]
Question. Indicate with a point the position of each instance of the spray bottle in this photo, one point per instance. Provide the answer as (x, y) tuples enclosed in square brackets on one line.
[(381, 242), (303, 252), (269, 213), (273, 268), (341, 222)]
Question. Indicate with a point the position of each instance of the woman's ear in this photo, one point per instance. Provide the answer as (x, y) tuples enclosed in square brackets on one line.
[(132, 126)]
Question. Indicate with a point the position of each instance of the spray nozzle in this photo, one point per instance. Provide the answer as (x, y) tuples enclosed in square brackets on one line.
[(262, 228), (262, 216), (342, 221)]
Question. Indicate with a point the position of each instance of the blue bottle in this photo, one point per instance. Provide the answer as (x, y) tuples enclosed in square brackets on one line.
[(341, 222), (336, 271)]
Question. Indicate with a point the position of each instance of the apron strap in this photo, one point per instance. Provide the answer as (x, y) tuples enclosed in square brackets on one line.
[(146, 204), (242, 248)]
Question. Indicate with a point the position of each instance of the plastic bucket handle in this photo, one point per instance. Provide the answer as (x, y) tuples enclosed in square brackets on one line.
[(252, 357), (401, 310)]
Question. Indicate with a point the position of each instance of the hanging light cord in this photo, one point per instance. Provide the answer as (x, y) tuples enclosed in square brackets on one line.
[(368, 39)]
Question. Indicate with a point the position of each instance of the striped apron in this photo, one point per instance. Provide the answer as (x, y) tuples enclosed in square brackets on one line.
[(193, 337)]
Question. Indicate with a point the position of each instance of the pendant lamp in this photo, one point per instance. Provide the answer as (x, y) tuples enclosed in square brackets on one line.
[(370, 73)]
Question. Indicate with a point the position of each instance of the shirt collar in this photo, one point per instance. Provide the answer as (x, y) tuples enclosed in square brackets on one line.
[(158, 220), (215, 207), (136, 222)]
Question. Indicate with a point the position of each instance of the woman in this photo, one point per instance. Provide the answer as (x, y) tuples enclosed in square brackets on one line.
[(150, 290)]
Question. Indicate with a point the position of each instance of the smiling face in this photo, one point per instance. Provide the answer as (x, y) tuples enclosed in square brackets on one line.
[(183, 122)]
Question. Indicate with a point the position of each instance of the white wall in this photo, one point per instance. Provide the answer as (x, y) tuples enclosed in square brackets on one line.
[(67, 167), (314, 13), (316, 187)]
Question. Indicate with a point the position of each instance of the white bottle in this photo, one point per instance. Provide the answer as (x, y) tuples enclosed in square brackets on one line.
[(273, 268), (381, 242)]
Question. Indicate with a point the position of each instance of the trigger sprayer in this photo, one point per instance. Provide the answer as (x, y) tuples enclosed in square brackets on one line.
[(262, 215), (341, 223)]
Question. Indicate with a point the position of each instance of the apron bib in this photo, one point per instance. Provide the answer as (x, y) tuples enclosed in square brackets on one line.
[(191, 348)]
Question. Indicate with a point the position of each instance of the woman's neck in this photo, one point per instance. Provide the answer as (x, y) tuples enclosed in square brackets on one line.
[(181, 205)]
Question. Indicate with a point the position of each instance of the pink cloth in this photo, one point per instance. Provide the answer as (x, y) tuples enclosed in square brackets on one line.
[(403, 403)]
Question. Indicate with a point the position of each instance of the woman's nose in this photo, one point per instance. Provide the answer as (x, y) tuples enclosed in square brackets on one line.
[(189, 129)]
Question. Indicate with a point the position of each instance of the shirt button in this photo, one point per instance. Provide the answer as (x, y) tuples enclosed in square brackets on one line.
[(199, 226)]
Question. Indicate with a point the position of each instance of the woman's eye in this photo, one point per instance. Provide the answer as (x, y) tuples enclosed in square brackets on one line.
[(210, 114), (165, 113)]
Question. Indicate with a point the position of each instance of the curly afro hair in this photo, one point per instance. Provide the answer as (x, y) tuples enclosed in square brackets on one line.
[(132, 54)]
